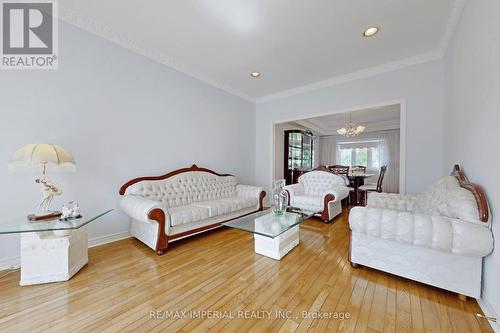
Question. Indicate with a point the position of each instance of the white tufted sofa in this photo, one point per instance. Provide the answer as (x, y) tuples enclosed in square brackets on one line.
[(185, 202), (319, 191), (438, 237)]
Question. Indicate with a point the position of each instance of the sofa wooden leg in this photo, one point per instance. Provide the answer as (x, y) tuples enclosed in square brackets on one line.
[(354, 265), (462, 297), (162, 250), (324, 216)]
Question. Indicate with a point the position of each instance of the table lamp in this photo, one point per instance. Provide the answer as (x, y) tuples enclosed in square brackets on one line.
[(41, 154)]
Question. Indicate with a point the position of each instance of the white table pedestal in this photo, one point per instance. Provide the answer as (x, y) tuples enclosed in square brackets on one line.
[(52, 256), (279, 246)]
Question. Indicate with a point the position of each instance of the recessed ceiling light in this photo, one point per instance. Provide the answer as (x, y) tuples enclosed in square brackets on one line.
[(255, 74), (371, 31)]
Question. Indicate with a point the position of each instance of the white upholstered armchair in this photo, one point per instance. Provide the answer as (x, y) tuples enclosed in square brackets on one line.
[(438, 237), (319, 191)]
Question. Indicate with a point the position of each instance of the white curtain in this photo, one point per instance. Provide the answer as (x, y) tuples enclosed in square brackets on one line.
[(389, 150), (390, 156), (317, 151), (328, 146)]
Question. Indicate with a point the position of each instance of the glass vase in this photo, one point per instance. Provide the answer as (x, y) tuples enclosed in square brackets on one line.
[(280, 197)]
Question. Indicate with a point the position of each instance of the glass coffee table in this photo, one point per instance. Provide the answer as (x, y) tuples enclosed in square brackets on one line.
[(53, 250), (274, 235)]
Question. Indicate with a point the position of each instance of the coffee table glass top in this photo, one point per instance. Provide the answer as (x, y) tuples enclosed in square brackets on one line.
[(268, 224), (22, 224)]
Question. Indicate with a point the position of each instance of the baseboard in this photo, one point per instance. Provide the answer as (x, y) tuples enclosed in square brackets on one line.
[(96, 241), (101, 240), (488, 310), (7, 263)]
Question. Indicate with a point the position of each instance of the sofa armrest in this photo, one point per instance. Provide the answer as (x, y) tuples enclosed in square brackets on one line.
[(436, 232), (392, 201), (147, 210), (339, 192), (294, 189), (249, 191), (138, 207)]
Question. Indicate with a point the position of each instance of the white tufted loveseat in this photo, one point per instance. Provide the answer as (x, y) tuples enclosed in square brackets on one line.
[(438, 237), (185, 202), (319, 191)]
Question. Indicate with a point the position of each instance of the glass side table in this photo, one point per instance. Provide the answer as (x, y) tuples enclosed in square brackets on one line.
[(51, 251)]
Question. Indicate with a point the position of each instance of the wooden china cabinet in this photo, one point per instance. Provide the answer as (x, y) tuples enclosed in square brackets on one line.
[(298, 154)]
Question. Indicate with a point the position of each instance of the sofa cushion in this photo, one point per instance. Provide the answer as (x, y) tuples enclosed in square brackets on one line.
[(308, 202), (446, 197), (316, 202), (226, 205), (187, 214), (242, 202), (217, 207)]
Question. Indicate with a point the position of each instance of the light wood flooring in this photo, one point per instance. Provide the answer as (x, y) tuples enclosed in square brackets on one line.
[(219, 272)]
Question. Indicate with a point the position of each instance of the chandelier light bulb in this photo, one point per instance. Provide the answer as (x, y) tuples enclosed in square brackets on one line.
[(351, 129)]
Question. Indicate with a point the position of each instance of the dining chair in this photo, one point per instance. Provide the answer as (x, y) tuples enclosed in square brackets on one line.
[(364, 189), (343, 170), (339, 169), (359, 168)]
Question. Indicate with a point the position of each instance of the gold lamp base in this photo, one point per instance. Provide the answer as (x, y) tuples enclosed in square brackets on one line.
[(46, 217)]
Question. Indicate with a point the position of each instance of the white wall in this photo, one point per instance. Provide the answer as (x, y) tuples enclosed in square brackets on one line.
[(473, 113), (422, 86), (122, 116)]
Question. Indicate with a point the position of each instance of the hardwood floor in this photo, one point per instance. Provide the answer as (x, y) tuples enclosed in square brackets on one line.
[(219, 272)]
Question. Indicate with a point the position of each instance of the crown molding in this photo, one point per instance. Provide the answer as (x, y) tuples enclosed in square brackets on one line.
[(109, 34), (451, 25), (308, 124), (362, 74)]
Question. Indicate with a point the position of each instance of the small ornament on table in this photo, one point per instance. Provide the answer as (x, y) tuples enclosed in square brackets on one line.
[(70, 211)]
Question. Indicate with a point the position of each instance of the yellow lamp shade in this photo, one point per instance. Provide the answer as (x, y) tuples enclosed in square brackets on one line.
[(42, 154)]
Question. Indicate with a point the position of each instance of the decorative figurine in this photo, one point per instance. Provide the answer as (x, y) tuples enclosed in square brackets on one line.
[(48, 191), (70, 211)]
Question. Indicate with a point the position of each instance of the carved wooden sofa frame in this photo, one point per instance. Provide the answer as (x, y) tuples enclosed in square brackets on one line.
[(158, 215)]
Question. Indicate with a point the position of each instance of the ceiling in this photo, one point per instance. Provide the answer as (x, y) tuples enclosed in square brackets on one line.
[(375, 119), (293, 43)]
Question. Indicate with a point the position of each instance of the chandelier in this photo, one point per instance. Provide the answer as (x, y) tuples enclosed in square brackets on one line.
[(351, 129)]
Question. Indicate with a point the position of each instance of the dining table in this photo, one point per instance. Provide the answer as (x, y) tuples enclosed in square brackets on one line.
[(357, 179)]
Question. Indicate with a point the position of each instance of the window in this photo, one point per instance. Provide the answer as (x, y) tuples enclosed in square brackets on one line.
[(365, 153), (361, 157), (345, 156)]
